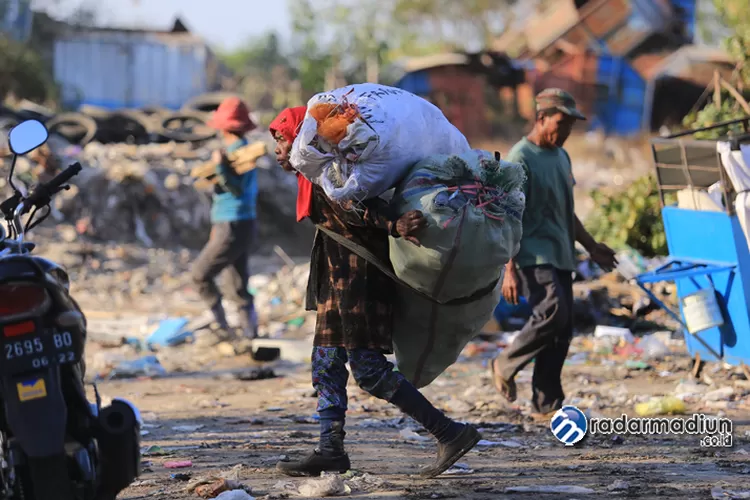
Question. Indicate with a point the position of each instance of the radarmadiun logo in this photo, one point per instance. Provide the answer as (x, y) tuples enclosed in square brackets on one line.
[(569, 425)]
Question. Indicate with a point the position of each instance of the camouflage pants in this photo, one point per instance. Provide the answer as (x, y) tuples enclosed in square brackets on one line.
[(371, 370)]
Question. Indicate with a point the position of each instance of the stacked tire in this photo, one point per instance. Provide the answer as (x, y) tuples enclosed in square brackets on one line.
[(133, 126)]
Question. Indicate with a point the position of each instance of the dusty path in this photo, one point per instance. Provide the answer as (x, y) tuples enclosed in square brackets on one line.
[(250, 425)]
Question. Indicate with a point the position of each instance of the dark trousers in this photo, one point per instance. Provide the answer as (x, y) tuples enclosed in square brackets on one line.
[(228, 248), (545, 337)]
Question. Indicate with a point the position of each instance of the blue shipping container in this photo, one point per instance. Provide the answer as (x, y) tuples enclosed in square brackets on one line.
[(15, 19), (620, 110), (119, 69)]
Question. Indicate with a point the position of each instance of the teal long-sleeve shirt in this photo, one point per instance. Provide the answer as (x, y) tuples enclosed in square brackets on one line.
[(235, 196)]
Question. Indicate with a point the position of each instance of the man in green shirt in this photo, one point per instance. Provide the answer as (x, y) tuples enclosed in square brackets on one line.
[(542, 270)]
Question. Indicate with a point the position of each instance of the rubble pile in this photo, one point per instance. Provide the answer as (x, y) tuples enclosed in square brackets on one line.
[(144, 193)]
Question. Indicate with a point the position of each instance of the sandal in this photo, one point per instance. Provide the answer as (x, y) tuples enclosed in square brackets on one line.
[(505, 387)]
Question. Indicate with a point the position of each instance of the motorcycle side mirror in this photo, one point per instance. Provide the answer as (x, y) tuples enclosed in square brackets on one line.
[(27, 136)]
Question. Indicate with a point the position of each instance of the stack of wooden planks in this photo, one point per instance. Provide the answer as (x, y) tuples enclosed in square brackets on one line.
[(242, 160)]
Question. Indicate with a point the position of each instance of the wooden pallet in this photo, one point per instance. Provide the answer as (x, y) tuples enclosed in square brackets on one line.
[(243, 160)]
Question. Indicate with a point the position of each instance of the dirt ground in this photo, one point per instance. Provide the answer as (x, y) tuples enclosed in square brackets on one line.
[(249, 425), (240, 429)]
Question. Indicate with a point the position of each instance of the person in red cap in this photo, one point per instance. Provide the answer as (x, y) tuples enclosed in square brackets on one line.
[(354, 304), (233, 221)]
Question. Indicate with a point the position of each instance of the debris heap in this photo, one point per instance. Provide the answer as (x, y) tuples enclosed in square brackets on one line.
[(144, 193)]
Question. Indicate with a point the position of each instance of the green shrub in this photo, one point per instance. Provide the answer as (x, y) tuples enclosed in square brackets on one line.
[(23, 73), (630, 218), (711, 114)]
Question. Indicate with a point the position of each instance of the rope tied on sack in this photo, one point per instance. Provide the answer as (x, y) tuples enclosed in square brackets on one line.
[(480, 196), (494, 188)]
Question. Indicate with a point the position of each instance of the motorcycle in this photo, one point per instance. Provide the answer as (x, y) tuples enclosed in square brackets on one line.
[(54, 444)]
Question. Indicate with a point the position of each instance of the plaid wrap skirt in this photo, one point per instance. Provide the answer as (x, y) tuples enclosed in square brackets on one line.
[(353, 299)]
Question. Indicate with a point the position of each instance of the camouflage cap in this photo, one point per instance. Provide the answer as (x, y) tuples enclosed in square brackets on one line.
[(560, 100)]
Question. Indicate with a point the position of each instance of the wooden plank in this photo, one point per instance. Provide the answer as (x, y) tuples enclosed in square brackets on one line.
[(242, 161)]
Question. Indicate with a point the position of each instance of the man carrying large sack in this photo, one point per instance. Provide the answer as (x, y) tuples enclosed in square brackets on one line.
[(542, 269), (353, 299)]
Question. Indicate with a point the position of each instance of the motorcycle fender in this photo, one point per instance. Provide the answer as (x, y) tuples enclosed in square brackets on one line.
[(36, 412)]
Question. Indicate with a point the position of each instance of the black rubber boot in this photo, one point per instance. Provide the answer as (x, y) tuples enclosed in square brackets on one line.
[(449, 453), (329, 457), (314, 464)]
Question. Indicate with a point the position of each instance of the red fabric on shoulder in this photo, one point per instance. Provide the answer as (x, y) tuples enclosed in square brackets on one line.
[(287, 124)]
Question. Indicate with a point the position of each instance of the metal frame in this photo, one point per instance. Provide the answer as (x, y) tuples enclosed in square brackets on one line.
[(682, 268), (683, 144), (676, 269)]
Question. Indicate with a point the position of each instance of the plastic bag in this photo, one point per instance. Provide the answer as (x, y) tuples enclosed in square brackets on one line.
[(653, 348), (474, 206), (358, 141), (668, 405)]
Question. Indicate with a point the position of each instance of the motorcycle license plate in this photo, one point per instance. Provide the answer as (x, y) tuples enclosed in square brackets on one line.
[(37, 350)]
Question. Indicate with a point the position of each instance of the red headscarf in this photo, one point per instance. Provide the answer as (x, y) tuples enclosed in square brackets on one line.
[(287, 124)]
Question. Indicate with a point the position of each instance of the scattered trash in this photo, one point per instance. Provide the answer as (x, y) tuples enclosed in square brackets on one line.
[(637, 365), (235, 495), (215, 488), (364, 483), (178, 464), (147, 366), (329, 485), (410, 435), (667, 405), (187, 428), (180, 477), (285, 488), (720, 394), (573, 490), (612, 331), (154, 451), (171, 332), (719, 493), (506, 444), (459, 469), (256, 374), (145, 482), (618, 485), (653, 348), (689, 389)]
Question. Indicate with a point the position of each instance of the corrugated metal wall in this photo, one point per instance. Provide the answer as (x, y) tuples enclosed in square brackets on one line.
[(128, 70), (15, 19), (620, 110)]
